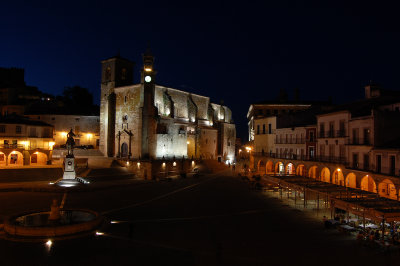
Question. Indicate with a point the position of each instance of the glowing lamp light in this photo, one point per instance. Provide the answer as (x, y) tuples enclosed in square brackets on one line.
[(163, 165), (138, 164), (99, 233), (51, 143), (188, 142), (174, 164), (147, 69), (49, 243), (193, 163), (89, 135), (127, 163), (63, 134)]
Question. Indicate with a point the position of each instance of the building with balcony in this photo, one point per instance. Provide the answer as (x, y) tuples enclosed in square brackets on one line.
[(25, 142), (357, 146)]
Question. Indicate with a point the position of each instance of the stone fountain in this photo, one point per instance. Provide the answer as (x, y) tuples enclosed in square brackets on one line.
[(54, 224)]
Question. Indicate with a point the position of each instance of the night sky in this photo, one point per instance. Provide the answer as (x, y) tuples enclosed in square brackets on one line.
[(237, 51)]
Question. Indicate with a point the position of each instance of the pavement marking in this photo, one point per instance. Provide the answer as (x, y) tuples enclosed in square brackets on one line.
[(156, 198), (63, 200)]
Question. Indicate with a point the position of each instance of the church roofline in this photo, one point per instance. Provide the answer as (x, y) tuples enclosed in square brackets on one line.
[(116, 57)]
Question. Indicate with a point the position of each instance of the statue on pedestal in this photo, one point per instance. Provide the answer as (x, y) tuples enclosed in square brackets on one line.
[(69, 162), (70, 143)]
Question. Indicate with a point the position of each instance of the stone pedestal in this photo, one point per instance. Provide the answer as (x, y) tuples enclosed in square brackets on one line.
[(69, 168)]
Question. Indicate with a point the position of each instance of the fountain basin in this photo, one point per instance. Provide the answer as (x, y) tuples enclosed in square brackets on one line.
[(37, 224)]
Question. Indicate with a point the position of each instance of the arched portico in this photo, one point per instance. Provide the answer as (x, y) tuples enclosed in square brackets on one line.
[(387, 189), (38, 158), (368, 184), (313, 172), (289, 169), (3, 158), (15, 158), (270, 168), (325, 175), (301, 170), (337, 177), (351, 180), (279, 168), (261, 167)]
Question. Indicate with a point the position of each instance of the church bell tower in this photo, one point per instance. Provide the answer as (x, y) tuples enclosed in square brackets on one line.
[(115, 72), (149, 112)]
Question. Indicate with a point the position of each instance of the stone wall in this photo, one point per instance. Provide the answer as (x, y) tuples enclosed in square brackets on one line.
[(128, 116), (208, 139)]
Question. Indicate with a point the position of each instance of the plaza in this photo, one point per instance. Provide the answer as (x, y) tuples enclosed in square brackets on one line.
[(215, 219)]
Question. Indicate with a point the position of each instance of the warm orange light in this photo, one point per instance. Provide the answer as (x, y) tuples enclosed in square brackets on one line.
[(89, 135), (147, 69), (64, 134), (188, 142)]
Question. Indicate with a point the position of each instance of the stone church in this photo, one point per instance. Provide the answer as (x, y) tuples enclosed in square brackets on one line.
[(150, 121)]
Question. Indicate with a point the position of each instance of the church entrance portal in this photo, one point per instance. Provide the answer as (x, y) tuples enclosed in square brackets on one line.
[(124, 150)]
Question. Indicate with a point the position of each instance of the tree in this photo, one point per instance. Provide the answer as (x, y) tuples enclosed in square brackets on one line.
[(77, 96)]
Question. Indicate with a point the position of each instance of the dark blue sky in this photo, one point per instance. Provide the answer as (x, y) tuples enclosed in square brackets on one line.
[(238, 51)]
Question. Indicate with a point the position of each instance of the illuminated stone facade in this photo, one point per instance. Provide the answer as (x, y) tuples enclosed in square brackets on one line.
[(147, 120)]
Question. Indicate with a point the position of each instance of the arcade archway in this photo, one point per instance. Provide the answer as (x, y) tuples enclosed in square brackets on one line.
[(270, 168), (39, 158), (368, 184), (313, 172), (387, 189), (280, 168), (325, 175), (337, 177), (351, 180), (301, 170), (15, 158), (261, 167), (290, 169)]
